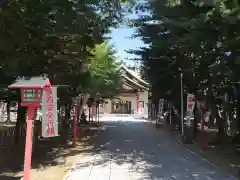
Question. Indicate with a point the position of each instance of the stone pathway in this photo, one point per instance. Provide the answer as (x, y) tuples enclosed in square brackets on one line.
[(132, 149)]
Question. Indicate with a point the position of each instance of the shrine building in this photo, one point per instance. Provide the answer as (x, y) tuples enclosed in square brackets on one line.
[(133, 97)]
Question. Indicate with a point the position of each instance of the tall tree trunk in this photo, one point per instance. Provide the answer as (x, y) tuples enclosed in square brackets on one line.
[(81, 109), (65, 124), (238, 115), (66, 115), (195, 122), (238, 108), (8, 111), (220, 125)]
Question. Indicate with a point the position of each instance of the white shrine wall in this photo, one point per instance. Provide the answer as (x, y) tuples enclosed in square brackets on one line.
[(143, 96)]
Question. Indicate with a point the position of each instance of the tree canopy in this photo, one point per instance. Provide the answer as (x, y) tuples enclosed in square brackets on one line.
[(55, 38), (199, 39), (105, 79)]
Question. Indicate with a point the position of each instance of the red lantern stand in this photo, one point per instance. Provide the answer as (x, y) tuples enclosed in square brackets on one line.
[(31, 96)]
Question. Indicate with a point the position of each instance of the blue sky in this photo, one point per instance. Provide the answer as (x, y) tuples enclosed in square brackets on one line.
[(122, 42)]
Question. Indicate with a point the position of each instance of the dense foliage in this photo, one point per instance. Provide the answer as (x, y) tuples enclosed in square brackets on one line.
[(55, 38), (199, 39), (105, 79), (58, 39)]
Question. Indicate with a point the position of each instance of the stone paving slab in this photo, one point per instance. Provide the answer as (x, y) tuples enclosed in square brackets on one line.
[(99, 175), (139, 176), (115, 165), (76, 174), (120, 174), (129, 150)]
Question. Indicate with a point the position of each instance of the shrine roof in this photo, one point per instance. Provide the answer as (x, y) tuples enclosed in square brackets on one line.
[(131, 73), (33, 82), (133, 84)]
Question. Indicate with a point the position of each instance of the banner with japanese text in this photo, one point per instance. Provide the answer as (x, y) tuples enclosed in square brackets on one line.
[(3, 111), (160, 107), (190, 105), (49, 112)]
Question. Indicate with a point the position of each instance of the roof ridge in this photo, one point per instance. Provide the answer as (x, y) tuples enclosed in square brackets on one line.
[(132, 73)]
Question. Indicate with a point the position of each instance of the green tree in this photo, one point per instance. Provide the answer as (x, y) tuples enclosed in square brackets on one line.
[(54, 38), (104, 74), (199, 38)]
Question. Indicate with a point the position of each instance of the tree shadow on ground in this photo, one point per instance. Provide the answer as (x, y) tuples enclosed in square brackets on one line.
[(110, 146), (5, 177), (45, 152), (225, 155), (141, 153)]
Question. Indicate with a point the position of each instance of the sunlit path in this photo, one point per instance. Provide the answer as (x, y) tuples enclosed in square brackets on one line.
[(132, 149)]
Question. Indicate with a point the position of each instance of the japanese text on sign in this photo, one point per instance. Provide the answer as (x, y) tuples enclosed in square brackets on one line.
[(190, 105), (49, 115)]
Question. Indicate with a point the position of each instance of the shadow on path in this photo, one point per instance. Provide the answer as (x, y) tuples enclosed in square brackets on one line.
[(150, 153), (46, 153)]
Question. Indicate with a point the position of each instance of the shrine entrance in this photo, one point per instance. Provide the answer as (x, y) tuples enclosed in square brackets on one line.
[(132, 97), (121, 107)]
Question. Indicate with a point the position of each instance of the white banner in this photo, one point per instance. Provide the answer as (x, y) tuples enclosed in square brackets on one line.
[(190, 105), (49, 112), (3, 112), (141, 110), (160, 107)]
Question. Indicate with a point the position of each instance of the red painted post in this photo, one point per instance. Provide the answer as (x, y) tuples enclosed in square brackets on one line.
[(137, 103), (32, 104), (28, 145), (75, 127)]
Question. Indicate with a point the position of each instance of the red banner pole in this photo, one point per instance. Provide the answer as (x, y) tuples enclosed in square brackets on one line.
[(137, 103), (28, 145)]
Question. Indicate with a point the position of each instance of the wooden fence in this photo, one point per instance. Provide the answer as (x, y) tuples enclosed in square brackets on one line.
[(7, 135)]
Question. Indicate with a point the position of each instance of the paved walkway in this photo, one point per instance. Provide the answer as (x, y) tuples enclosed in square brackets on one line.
[(131, 149)]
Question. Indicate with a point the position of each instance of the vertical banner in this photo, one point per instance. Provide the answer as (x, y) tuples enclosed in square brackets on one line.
[(49, 112), (3, 111), (141, 107), (160, 107), (190, 107)]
